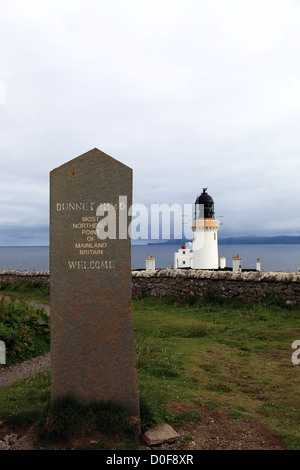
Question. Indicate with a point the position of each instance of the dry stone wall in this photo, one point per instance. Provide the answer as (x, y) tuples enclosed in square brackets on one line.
[(248, 286), (17, 277)]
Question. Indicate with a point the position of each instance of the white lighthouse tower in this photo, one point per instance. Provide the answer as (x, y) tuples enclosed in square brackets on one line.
[(205, 238)]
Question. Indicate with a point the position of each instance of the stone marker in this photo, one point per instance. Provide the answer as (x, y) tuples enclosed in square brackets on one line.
[(92, 344)]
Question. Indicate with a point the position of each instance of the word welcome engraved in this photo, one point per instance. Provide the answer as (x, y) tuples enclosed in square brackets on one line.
[(92, 345)]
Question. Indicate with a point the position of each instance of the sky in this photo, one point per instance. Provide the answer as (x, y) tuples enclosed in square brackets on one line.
[(189, 94)]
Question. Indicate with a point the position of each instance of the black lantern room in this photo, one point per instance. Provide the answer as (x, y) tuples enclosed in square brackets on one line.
[(207, 201)]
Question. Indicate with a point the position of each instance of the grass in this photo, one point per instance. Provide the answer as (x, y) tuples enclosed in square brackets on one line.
[(26, 291), (233, 357), (68, 417), (229, 356), (26, 401)]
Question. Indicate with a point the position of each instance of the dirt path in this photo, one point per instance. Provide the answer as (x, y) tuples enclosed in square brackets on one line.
[(33, 303), (24, 369), (216, 431)]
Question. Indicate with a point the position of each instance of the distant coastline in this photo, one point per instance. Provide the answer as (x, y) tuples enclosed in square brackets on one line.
[(245, 240), (276, 240)]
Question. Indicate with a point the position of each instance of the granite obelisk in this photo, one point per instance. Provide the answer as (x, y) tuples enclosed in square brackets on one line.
[(92, 344)]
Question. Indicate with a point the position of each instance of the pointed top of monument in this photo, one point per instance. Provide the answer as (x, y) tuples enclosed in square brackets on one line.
[(94, 153)]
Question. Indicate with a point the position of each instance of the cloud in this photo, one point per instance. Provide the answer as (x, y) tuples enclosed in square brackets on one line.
[(193, 94)]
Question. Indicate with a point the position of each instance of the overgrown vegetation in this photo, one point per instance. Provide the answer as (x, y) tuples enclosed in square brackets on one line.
[(26, 291), (229, 356), (24, 329)]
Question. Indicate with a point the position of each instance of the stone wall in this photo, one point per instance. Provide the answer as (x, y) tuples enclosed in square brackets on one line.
[(16, 277), (248, 286)]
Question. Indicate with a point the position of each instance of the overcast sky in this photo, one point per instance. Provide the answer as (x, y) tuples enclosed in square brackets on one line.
[(189, 94)]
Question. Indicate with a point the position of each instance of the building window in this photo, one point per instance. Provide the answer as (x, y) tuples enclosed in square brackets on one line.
[(215, 236), (183, 262)]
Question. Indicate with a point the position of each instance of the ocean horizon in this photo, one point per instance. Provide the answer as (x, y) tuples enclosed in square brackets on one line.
[(273, 257)]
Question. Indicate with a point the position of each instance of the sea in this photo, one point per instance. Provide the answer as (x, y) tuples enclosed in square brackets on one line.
[(284, 258)]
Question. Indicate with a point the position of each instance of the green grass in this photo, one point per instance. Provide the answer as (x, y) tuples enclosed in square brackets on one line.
[(69, 417), (26, 401), (26, 291), (231, 357)]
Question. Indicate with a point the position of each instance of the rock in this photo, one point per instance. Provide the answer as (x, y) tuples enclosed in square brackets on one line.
[(11, 439), (160, 434), (26, 442), (4, 446)]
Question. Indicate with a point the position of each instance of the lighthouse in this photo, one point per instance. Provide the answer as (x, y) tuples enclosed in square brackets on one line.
[(205, 233)]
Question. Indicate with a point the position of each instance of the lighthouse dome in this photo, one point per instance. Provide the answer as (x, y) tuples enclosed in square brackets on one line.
[(207, 201)]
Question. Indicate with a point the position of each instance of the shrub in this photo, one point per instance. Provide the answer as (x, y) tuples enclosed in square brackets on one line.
[(24, 329)]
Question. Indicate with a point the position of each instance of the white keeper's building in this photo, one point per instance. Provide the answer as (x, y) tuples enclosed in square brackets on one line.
[(183, 258)]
